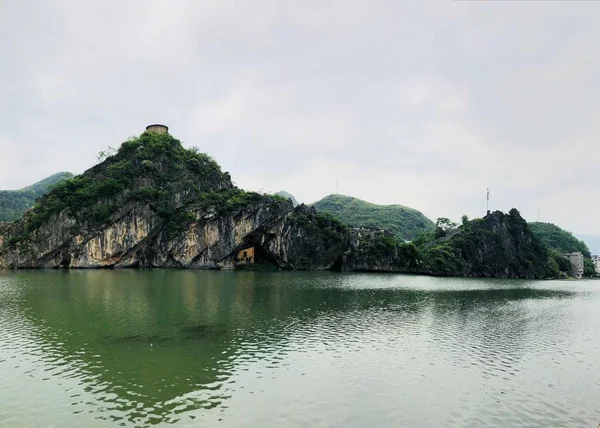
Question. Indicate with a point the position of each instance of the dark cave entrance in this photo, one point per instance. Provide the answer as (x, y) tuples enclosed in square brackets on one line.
[(254, 256), (337, 265)]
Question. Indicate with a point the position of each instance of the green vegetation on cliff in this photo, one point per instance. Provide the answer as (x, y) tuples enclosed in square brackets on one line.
[(498, 245), (405, 223), (154, 169), (560, 241), (13, 203), (153, 203)]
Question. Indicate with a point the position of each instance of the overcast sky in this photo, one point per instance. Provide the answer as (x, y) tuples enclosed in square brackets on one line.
[(422, 103)]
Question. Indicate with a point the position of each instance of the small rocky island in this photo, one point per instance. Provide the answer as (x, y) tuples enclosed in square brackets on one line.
[(155, 203)]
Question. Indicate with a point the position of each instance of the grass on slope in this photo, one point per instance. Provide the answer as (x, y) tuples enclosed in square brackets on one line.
[(13, 203), (406, 223), (151, 168)]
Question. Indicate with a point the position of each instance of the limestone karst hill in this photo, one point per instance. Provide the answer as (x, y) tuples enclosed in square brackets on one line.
[(157, 204)]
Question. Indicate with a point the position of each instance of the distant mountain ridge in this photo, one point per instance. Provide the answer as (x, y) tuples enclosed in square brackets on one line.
[(13, 203), (404, 222), (287, 195)]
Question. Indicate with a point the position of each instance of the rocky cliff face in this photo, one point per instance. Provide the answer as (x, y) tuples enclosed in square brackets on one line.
[(498, 245), (290, 239), (156, 204)]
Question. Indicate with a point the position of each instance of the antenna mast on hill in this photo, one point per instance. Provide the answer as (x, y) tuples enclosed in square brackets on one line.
[(337, 186), (538, 215), (488, 200)]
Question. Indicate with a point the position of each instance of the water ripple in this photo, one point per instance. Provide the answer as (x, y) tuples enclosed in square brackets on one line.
[(187, 348)]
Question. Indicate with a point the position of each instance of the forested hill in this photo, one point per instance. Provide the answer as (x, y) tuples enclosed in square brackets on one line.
[(406, 223), (558, 239), (154, 203), (498, 246), (13, 203)]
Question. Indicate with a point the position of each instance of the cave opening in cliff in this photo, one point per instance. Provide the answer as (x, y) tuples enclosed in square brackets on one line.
[(264, 259), (255, 256), (337, 265)]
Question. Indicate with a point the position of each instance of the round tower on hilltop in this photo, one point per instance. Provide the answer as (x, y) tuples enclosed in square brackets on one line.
[(158, 128)]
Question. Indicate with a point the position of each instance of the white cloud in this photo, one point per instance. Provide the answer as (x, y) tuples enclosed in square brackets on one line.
[(423, 104)]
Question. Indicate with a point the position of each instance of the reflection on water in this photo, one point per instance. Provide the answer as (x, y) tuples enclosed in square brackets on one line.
[(295, 349)]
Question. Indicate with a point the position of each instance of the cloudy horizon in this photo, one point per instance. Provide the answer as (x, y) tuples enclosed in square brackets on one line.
[(424, 104)]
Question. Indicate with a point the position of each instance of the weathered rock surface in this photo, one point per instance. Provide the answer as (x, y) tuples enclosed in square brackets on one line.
[(155, 204), (288, 238), (498, 245)]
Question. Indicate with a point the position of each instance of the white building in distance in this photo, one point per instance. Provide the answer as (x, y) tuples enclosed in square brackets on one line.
[(576, 259)]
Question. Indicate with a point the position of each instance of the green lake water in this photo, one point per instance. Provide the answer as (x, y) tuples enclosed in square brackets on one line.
[(288, 349)]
